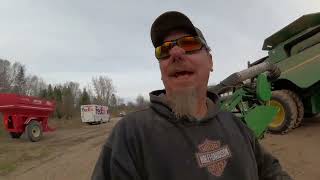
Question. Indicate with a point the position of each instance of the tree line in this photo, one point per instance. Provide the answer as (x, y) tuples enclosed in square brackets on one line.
[(68, 96)]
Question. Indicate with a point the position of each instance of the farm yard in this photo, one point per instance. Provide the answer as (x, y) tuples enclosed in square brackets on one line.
[(71, 151)]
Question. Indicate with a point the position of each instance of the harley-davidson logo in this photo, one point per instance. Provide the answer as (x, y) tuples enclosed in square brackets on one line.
[(213, 156)]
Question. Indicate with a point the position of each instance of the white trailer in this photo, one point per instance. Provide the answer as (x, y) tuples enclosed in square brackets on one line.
[(94, 114)]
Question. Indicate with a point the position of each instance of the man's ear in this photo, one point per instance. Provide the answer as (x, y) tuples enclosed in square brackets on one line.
[(211, 61)]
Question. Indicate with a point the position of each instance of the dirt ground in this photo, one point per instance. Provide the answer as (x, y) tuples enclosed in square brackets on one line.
[(63, 154), (298, 150), (68, 154)]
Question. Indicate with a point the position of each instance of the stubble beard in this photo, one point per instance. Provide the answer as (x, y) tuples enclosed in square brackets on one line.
[(183, 102)]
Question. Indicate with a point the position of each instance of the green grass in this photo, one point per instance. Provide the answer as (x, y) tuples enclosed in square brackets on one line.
[(3, 132), (7, 167)]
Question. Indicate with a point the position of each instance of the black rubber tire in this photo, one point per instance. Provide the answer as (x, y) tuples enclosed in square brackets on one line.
[(300, 108), (34, 131), (15, 135), (290, 109)]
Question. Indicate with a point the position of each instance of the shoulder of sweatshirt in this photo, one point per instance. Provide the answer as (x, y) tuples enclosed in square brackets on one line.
[(127, 127)]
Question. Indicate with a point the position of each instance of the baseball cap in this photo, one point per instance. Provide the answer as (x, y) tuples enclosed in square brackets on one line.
[(170, 21)]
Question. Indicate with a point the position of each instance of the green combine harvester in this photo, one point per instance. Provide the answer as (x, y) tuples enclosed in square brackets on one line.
[(292, 68), (247, 93), (295, 50)]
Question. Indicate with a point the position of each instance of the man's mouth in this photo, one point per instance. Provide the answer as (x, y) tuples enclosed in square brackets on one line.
[(181, 74)]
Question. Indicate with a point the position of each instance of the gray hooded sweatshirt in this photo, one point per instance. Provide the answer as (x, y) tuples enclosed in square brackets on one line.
[(153, 145)]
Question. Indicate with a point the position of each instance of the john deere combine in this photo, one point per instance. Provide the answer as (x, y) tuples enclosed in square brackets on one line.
[(293, 56), (247, 92), (295, 50)]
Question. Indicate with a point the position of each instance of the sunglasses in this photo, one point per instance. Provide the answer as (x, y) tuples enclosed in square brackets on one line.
[(187, 43)]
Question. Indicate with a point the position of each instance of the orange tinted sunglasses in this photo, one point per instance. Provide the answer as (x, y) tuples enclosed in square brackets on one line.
[(188, 43)]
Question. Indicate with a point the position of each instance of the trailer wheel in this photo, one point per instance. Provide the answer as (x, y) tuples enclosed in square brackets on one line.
[(15, 135), (287, 115), (34, 131)]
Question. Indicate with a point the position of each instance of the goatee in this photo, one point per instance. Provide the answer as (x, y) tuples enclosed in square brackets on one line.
[(183, 102)]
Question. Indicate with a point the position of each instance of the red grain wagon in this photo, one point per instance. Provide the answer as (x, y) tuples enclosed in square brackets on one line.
[(26, 113)]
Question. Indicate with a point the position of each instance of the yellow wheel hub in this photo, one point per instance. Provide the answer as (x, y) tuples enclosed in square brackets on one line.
[(280, 117)]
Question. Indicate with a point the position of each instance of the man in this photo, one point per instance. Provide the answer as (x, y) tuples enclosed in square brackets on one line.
[(183, 135)]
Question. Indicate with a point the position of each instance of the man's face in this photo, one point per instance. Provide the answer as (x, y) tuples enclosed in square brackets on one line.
[(181, 70)]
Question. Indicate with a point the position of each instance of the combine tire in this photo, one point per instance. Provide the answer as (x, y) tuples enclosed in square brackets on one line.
[(34, 131), (300, 108), (15, 135), (287, 115)]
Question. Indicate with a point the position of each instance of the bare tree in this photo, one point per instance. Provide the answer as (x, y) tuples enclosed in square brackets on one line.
[(131, 106), (4, 75), (41, 85), (75, 91), (34, 85), (120, 101), (31, 85), (141, 102), (90, 92), (13, 73), (113, 101), (104, 89), (84, 98), (67, 102), (13, 78)]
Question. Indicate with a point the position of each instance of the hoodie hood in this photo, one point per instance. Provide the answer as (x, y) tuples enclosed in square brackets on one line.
[(160, 105)]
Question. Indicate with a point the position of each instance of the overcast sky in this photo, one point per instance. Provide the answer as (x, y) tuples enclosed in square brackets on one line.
[(75, 40)]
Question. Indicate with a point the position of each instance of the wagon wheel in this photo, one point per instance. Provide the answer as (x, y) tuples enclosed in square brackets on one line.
[(34, 131), (15, 135)]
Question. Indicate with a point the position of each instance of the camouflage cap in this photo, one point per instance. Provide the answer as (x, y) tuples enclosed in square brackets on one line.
[(170, 21)]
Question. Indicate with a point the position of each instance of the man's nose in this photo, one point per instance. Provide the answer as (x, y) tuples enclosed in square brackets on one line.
[(176, 53)]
